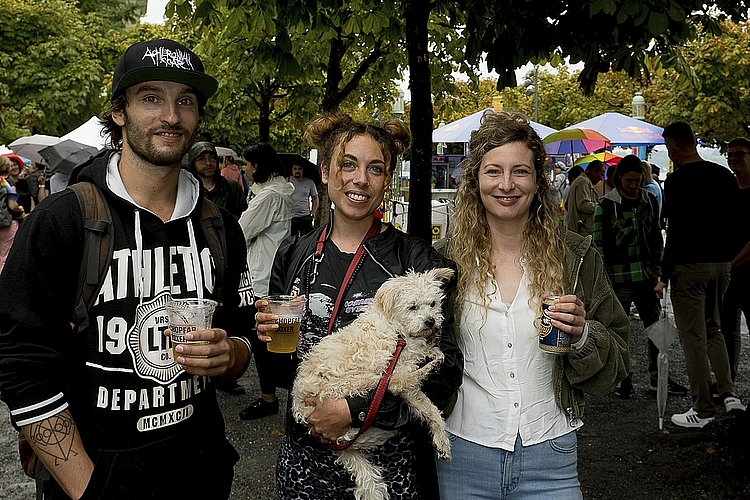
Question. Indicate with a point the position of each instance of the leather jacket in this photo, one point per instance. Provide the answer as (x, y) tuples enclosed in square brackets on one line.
[(395, 253)]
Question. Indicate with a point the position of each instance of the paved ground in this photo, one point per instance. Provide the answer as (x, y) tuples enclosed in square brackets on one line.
[(622, 454), (256, 442)]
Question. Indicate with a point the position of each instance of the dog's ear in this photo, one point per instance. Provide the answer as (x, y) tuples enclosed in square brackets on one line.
[(443, 274), (385, 295)]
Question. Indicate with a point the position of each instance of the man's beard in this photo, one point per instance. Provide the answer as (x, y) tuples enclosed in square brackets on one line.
[(141, 142)]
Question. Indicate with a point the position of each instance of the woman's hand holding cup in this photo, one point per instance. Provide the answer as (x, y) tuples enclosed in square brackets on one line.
[(264, 321)]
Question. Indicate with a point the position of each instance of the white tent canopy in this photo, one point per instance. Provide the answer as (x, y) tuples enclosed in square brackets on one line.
[(623, 130), (90, 133), (460, 130)]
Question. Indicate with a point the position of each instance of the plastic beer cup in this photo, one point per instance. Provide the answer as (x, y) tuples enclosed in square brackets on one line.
[(188, 315), (289, 309)]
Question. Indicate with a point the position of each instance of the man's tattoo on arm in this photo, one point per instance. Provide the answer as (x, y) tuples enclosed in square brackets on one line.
[(55, 437)]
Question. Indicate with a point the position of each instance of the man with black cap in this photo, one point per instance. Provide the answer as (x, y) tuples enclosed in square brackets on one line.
[(108, 410)]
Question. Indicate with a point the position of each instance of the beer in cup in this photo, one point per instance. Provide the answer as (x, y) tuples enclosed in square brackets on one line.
[(289, 309), (188, 315)]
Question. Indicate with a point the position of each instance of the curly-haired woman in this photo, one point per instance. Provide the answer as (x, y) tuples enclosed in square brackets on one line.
[(357, 162), (513, 426)]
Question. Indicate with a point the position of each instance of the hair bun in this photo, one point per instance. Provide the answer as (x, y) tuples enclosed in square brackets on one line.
[(400, 134), (320, 128)]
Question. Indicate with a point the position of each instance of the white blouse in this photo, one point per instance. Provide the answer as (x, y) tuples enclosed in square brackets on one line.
[(507, 388)]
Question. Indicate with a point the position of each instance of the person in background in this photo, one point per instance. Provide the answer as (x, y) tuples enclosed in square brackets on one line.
[(655, 171), (357, 162), (607, 184), (627, 233), (36, 178), (582, 199), (304, 201), (655, 176), (265, 224), (514, 424), (106, 407), (699, 247), (455, 178), (232, 171), (737, 297), (558, 188), (650, 185), (17, 178), (225, 193), (573, 173), (9, 211)]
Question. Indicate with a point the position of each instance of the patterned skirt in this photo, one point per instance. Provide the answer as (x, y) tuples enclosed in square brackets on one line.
[(306, 472)]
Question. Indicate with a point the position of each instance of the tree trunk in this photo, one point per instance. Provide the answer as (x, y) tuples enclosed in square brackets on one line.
[(420, 205), (266, 91), (331, 99)]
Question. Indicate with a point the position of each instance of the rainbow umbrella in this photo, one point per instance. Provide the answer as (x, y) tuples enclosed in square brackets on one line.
[(574, 140), (606, 157)]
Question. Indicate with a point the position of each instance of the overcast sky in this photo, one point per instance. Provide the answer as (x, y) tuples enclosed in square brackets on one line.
[(155, 11)]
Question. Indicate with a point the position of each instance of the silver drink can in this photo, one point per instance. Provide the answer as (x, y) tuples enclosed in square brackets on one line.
[(551, 339)]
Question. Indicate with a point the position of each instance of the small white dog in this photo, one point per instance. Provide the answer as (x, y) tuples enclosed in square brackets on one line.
[(351, 361)]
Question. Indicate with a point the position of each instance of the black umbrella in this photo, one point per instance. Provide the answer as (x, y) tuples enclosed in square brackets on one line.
[(309, 169), (64, 156)]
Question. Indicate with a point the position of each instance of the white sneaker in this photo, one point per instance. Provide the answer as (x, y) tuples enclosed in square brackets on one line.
[(733, 404), (690, 419)]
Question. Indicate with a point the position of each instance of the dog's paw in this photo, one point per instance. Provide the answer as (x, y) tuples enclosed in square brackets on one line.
[(443, 448), (437, 355)]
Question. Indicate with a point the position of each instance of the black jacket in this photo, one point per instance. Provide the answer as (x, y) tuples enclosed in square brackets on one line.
[(228, 195), (118, 378), (389, 253)]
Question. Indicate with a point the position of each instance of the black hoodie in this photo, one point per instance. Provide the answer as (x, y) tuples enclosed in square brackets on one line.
[(118, 378)]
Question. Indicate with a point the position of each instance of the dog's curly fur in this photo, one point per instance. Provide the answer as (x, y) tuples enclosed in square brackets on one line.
[(351, 361)]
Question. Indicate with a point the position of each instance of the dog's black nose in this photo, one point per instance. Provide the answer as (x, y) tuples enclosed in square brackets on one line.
[(429, 322)]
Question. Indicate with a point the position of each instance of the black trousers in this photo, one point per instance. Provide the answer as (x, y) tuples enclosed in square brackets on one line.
[(736, 302), (642, 294), (302, 225), (274, 369), (148, 473)]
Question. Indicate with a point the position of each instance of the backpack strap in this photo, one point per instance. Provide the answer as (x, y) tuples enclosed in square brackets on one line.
[(213, 227), (97, 247)]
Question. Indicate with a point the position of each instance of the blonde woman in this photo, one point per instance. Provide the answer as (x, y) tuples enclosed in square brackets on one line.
[(513, 426)]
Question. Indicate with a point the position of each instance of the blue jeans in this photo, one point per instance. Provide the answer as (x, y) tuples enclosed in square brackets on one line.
[(546, 470)]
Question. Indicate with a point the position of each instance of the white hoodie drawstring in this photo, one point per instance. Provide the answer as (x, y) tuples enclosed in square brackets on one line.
[(197, 268), (138, 257), (195, 257)]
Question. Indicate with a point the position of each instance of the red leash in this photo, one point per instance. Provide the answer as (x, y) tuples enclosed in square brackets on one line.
[(349, 277), (377, 400)]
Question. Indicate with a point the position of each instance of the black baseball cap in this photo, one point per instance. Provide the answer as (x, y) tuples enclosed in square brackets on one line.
[(162, 60)]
